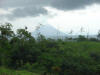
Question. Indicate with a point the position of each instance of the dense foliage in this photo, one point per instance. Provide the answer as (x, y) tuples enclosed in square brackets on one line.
[(80, 56)]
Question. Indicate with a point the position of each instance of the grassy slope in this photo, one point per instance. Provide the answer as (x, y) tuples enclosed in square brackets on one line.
[(4, 71)]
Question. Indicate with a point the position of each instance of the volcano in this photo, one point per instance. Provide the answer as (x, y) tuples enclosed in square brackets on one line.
[(49, 32)]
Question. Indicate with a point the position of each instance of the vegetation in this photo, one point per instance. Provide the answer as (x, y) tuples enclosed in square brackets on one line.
[(21, 51), (4, 71)]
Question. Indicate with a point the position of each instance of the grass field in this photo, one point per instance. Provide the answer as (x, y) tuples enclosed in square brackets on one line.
[(4, 71)]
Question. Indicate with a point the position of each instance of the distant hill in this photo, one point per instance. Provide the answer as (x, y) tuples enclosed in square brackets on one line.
[(49, 32)]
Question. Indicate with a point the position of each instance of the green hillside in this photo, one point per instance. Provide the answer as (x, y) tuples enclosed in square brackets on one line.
[(23, 54)]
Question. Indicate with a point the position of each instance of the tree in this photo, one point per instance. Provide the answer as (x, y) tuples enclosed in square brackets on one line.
[(24, 49), (6, 34), (98, 36), (6, 31)]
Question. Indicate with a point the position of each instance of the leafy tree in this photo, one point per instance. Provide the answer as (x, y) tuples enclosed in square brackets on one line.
[(6, 31), (98, 36), (6, 34), (24, 49)]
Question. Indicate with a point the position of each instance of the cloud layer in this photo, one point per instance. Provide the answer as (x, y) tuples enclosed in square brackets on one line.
[(26, 8)]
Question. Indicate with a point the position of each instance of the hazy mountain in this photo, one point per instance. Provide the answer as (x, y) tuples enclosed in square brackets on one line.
[(48, 31)]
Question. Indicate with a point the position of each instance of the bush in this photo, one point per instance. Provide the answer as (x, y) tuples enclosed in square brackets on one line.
[(27, 67), (81, 38)]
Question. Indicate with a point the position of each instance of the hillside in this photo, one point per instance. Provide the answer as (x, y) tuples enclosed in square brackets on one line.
[(23, 53)]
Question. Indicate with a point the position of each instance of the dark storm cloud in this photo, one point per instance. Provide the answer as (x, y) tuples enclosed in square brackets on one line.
[(24, 8), (35, 7), (25, 12), (72, 4)]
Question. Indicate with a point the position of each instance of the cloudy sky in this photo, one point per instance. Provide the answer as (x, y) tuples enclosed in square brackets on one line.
[(65, 15)]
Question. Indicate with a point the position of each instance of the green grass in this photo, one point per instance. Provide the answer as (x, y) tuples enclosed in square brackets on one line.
[(4, 71)]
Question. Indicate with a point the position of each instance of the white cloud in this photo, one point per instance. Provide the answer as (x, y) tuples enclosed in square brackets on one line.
[(66, 21), (6, 12)]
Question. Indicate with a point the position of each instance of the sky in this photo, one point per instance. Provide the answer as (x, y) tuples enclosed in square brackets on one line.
[(65, 15)]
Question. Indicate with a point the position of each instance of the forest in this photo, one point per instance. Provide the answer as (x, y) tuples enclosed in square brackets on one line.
[(20, 51)]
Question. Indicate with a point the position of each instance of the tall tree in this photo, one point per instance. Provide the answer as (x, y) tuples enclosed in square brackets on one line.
[(6, 31)]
